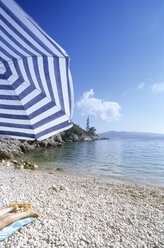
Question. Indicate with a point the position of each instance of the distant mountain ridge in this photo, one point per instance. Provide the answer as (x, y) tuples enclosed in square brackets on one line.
[(130, 135)]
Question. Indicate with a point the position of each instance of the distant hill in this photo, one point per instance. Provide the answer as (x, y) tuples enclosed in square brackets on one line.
[(131, 135)]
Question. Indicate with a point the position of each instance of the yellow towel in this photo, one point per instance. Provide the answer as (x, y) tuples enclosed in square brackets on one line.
[(20, 205)]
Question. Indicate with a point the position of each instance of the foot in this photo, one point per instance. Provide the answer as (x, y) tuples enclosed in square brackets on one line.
[(15, 208), (31, 213)]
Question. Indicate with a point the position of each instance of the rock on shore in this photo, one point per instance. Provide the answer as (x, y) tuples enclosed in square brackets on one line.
[(10, 148), (80, 212)]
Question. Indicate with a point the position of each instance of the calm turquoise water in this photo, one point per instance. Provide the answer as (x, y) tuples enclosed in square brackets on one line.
[(129, 159)]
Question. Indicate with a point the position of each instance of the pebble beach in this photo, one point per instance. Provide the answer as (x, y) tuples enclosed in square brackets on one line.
[(78, 211)]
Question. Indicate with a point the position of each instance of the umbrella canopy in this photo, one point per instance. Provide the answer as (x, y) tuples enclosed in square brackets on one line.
[(36, 91)]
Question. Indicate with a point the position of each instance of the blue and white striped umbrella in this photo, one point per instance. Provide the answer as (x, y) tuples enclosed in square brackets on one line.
[(36, 91)]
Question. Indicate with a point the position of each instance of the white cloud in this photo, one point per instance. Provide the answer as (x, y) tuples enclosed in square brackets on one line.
[(158, 87), (141, 85), (106, 111)]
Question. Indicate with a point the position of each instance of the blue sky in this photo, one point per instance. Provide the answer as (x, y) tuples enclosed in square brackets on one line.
[(117, 58)]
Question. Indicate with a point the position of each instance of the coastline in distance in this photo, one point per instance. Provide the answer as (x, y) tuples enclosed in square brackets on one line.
[(131, 135)]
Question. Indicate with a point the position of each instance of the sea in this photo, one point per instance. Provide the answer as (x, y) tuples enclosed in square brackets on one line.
[(132, 160)]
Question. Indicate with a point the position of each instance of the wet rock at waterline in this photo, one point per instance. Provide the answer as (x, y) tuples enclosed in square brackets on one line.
[(19, 165)]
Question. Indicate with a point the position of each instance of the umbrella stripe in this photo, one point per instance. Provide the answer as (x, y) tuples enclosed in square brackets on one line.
[(15, 121), (25, 63), (2, 76), (21, 70), (6, 124), (32, 72), (7, 51), (45, 116), (11, 49), (33, 101), (68, 84), (16, 42), (58, 82), (53, 80), (38, 105), (4, 54), (37, 74), (20, 88), (26, 31), (7, 92), (32, 34), (14, 66), (8, 72), (32, 30), (16, 129), (51, 123), (5, 97), (42, 135), (20, 119), (14, 116), (5, 87), (49, 118), (2, 68), (17, 83), (17, 134), (21, 36), (54, 129), (46, 72), (13, 107), (36, 113), (46, 37), (36, 92), (33, 112), (16, 112), (23, 45), (63, 75), (38, 126), (1, 59), (11, 102), (43, 76), (26, 92), (50, 40), (42, 109)]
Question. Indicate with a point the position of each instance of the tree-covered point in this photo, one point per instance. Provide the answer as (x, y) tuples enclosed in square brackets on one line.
[(91, 131), (79, 131), (75, 130)]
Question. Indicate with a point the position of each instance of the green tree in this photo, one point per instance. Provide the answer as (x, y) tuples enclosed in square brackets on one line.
[(74, 130), (91, 131)]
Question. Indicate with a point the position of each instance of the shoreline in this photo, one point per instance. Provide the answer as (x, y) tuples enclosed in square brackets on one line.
[(83, 211), (100, 177), (148, 171)]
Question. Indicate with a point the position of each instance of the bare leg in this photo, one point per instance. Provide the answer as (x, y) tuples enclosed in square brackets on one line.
[(14, 217), (8, 210)]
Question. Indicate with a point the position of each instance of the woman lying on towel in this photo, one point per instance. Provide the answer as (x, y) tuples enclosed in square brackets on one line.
[(9, 219)]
